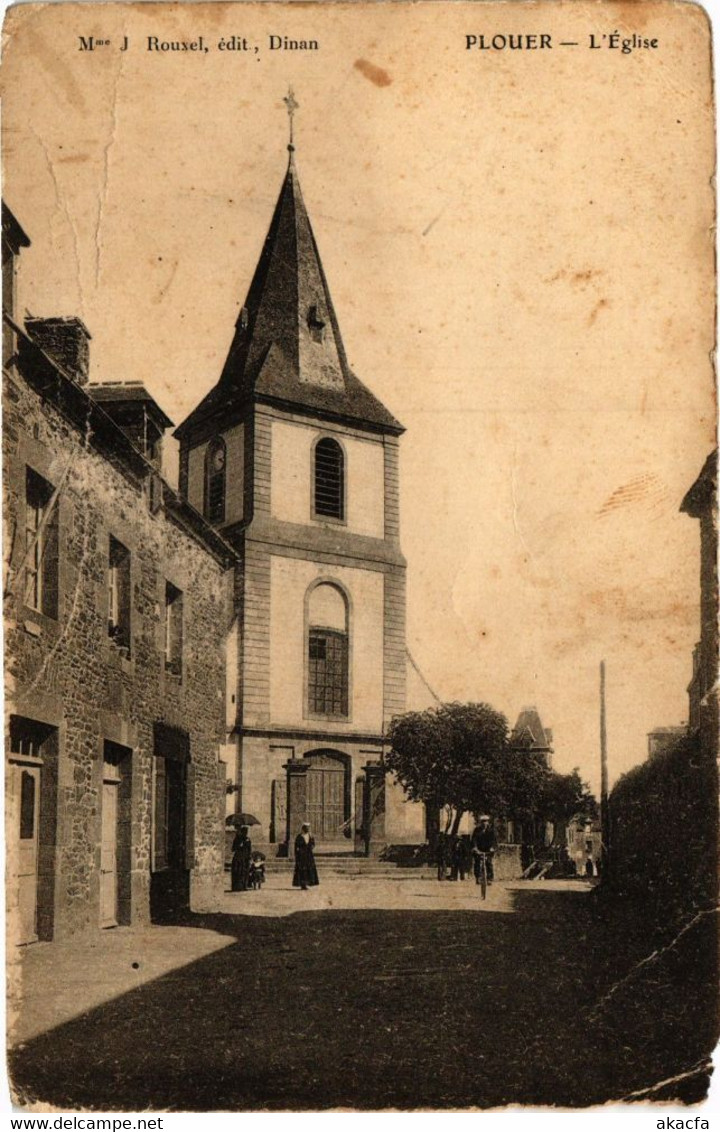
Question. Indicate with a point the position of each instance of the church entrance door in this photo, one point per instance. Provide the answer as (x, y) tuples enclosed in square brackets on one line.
[(326, 798)]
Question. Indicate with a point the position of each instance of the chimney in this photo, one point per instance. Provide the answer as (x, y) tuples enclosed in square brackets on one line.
[(66, 340)]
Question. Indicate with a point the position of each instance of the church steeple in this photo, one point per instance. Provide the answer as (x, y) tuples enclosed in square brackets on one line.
[(297, 463), (287, 346), (287, 332)]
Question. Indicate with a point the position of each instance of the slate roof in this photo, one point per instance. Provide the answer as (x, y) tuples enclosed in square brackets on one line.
[(287, 345), (128, 393), (529, 732)]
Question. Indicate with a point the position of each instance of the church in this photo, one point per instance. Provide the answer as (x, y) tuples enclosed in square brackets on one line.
[(295, 462)]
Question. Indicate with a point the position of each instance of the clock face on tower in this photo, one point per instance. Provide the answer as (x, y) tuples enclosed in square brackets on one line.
[(218, 459)]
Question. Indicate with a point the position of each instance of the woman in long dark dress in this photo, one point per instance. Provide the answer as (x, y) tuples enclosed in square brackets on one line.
[(305, 874), (240, 869)]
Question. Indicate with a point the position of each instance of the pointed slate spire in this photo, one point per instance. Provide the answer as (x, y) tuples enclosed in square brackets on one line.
[(287, 332), (287, 345)]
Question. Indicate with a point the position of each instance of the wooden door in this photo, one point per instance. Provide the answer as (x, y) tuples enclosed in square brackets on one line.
[(326, 798), (25, 811), (333, 803), (109, 849)]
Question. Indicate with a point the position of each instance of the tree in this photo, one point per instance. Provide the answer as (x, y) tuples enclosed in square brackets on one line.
[(562, 796), (456, 756)]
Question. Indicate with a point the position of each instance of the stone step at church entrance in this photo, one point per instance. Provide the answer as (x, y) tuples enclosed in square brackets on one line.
[(348, 867)]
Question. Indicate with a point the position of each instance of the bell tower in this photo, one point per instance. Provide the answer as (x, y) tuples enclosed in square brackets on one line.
[(296, 462)]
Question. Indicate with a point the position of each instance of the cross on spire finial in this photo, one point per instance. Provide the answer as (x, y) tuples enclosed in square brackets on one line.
[(292, 106)]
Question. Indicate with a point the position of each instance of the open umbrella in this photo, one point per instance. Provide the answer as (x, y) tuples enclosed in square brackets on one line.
[(241, 819)]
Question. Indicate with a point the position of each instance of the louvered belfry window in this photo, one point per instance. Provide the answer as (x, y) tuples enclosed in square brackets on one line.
[(329, 479)]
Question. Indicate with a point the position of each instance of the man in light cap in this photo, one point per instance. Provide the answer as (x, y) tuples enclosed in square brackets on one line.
[(483, 841)]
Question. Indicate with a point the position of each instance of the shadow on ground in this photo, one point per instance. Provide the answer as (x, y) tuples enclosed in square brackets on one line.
[(373, 1009)]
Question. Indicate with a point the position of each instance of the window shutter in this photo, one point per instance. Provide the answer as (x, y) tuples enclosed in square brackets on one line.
[(190, 816), (159, 839), (176, 633), (124, 599), (50, 566)]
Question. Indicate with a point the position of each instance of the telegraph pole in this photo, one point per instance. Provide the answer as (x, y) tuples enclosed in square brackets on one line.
[(604, 793)]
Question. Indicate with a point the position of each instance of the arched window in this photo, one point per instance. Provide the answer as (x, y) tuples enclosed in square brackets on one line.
[(329, 479), (215, 460), (327, 652)]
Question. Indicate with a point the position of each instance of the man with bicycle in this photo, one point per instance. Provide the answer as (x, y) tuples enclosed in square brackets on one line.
[(483, 844)]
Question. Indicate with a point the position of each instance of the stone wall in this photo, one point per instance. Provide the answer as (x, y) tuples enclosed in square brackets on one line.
[(68, 673)]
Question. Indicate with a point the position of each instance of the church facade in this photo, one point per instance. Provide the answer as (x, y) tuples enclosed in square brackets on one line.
[(295, 462)]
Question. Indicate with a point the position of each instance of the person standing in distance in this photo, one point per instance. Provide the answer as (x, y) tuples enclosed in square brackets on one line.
[(305, 875)]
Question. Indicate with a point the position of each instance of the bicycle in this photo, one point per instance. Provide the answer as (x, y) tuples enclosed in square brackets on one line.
[(481, 872)]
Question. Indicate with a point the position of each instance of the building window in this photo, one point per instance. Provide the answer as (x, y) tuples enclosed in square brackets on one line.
[(41, 545), (328, 653), (27, 806), (316, 325), (27, 736), (119, 594), (328, 681), (329, 480), (215, 481), (173, 629)]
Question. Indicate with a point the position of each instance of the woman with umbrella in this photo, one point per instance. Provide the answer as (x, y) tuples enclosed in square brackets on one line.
[(242, 852), (305, 874)]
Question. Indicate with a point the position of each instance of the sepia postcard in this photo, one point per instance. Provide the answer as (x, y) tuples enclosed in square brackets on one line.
[(360, 544)]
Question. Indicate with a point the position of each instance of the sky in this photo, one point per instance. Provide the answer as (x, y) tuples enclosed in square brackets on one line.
[(520, 253)]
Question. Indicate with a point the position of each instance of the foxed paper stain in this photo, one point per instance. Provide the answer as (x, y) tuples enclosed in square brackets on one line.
[(374, 74)]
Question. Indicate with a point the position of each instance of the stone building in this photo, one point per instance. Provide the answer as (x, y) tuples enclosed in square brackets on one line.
[(584, 844), (662, 739), (118, 601), (528, 734), (295, 462)]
